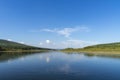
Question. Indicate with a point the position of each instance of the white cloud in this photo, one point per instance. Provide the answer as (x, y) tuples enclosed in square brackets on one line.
[(67, 31), (41, 43), (22, 42), (78, 43), (9, 39), (49, 30), (73, 43), (48, 41), (46, 44)]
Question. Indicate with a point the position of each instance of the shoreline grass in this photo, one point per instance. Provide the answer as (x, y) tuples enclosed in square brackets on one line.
[(18, 51), (93, 52)]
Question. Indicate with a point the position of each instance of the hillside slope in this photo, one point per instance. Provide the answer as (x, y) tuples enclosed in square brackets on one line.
[(109, 47), (6, 45)]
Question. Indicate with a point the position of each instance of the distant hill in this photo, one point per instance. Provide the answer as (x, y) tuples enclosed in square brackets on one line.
[(109, 47), (6, 45)]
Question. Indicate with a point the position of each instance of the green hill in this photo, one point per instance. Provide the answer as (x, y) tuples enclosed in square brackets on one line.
[(109, 47), (6, 45)]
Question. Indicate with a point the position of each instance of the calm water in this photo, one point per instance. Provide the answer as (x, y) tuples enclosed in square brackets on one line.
[(58, 66)]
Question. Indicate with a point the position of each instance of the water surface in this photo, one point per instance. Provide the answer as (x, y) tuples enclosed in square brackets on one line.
[(58, 66)]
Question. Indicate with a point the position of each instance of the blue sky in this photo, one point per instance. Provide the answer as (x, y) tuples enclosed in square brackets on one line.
[(60, 23)]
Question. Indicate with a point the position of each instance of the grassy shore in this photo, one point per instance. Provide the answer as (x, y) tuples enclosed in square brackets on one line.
[(108, 48), (93, 51), (18, 51)]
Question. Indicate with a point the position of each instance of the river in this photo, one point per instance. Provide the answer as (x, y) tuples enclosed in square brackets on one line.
[(58, 66)]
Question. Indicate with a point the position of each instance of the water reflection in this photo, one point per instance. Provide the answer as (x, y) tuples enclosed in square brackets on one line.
[(11, 56), (96, 55), (65, 68), (58, 66), (22, 58), (47, 59)]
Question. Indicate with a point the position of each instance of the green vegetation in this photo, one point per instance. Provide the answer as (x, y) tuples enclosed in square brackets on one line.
[(11, 46), (101, 48)]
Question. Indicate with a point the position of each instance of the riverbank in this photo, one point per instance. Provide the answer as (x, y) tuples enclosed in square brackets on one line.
[(93, 52), (24, 51)]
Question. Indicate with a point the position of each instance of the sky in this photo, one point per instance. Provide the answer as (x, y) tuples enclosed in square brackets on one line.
[(60, 23)]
